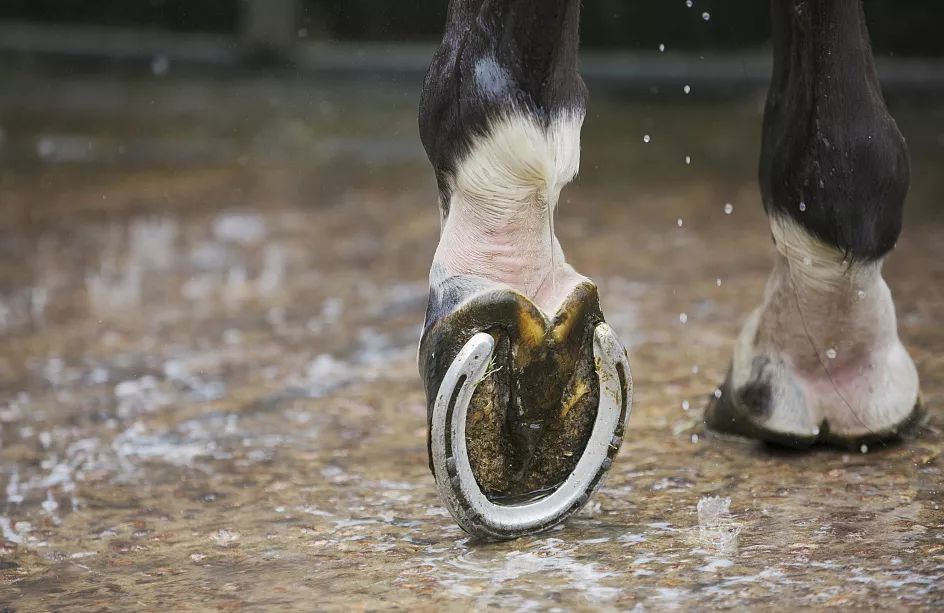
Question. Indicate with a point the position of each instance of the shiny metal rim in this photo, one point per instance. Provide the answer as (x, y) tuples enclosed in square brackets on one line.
[(458, 488)]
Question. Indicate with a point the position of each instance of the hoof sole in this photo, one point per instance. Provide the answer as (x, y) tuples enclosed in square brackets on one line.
[(458, 487)]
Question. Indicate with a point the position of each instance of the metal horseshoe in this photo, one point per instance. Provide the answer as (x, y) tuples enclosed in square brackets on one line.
[(458, 488)]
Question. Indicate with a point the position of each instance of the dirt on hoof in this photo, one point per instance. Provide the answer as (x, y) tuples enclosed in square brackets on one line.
[(531, 416)]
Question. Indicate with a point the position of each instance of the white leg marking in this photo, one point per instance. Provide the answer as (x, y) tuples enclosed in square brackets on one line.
[(504, 194), (828, 333)]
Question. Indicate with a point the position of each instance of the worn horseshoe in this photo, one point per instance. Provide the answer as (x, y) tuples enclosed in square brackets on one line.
[(458, 488)]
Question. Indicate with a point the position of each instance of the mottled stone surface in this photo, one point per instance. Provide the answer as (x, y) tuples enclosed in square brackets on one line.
[(210, 299)]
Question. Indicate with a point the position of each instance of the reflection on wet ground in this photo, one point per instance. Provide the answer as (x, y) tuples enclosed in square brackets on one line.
[(210, 298)]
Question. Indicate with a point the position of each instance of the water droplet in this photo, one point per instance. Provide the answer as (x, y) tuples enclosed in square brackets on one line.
[(689, 3), (45, 147), (807, 260), (706, 16), (815, 430), (685, 405), (661, 48), (679, 222), (688, 159), (695, 369), (687, 89), (683, 318), (160, 65), (728, 208), (646, 138), (694, 438), (717, 392), (831, 353), (864, 448), (802, 206), (860, 294), (50, 505), (718, 282)]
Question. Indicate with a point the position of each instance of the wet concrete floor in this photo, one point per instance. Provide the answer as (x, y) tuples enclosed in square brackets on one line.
[(210, 298)]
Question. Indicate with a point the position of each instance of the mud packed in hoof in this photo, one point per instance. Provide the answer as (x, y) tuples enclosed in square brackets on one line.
[(531, 415)]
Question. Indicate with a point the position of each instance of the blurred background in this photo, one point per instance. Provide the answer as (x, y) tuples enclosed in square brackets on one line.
[(216, 224), (286, 27)]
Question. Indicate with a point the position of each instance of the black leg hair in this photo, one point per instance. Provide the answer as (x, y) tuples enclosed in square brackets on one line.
[(497, 56), (832, 157)]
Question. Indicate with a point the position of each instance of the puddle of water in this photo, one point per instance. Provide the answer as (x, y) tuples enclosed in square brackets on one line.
[(209, 396)]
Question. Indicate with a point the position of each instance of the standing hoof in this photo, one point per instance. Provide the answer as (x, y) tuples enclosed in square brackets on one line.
[(820, 361), (741, 412)]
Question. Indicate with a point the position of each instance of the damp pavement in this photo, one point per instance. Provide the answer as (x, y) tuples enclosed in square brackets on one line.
[(210, 299)]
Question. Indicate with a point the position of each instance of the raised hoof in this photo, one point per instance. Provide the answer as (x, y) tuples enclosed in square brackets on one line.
[(526, 412)]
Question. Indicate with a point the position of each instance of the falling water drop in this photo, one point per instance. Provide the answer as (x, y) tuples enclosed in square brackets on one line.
[(685, 405), (728, 208), (706, 16), (688, 160), (683, 318), (45, 147), (802, 206), (160, 65), (831, 353), (661, 47), (679, 222), (646, 138), (687, 89)]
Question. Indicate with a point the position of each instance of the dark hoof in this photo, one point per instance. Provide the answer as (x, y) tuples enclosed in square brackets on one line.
[(525, 412)]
